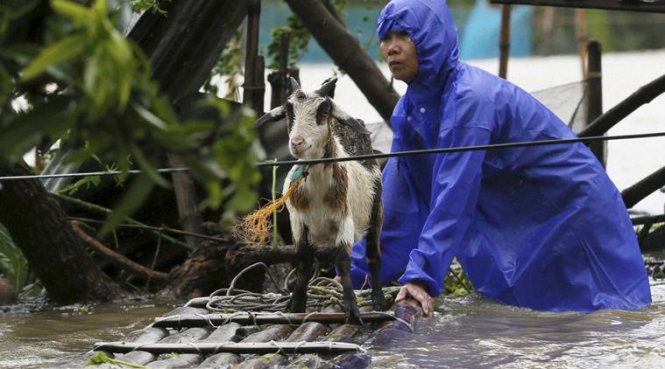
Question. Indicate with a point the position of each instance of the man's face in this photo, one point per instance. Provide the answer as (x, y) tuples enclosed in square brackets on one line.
[(399, 52)]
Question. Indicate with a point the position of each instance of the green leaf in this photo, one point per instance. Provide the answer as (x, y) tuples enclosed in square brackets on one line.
[(149, 117), (12, 261), (76, 13), (100, 7), (59, 52), (120, 49)]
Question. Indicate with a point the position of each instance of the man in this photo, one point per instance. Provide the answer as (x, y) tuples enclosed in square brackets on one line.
[(540, 227)]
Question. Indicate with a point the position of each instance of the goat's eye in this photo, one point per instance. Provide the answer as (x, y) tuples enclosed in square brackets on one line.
[(323, 111), (290, 115)]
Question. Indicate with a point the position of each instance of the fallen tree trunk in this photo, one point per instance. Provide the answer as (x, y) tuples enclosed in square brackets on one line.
[(57, 255)]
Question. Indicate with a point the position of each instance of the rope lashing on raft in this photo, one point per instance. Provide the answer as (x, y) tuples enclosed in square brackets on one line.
[(254, 229), (321, 292)]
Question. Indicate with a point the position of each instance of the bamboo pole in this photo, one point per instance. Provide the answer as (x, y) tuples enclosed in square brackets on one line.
[(231, 347), (651, 183), (642, 96), (247, 318)]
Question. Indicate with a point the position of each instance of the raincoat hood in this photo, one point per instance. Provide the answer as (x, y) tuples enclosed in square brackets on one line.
[(430, 26)]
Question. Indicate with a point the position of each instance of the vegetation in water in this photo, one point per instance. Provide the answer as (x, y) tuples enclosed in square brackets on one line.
[(456, 282), (102, 358)]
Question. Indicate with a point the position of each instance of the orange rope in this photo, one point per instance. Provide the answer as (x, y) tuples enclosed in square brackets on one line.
[(254, 229)]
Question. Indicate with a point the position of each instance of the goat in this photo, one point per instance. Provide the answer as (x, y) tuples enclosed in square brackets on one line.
[(337, 203)]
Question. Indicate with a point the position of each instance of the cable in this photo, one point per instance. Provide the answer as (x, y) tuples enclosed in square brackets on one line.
[(367, 157), (100, 173), (459, 149)]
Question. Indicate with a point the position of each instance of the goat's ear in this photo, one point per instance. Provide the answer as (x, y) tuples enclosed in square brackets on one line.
[(346, 119), (272, 116), (327, 88)]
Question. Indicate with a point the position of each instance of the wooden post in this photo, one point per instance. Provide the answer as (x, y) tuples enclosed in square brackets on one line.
[(254, 86), (504, 43), (278, 79), (594, 101)]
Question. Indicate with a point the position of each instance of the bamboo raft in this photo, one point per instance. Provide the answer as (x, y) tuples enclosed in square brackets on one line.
[(198, 336)]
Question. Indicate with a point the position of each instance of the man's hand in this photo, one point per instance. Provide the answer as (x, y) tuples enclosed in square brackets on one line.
[(418, 292)]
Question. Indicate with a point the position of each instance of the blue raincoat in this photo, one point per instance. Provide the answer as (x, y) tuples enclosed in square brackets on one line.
[(540, 227)]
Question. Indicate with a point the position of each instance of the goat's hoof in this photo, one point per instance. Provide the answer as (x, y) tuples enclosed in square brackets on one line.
[(379, 305), (353, 316), (378, 302), (297, 306)]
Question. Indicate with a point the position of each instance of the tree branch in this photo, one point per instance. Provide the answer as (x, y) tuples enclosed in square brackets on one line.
[(347, 53), (118, 259)]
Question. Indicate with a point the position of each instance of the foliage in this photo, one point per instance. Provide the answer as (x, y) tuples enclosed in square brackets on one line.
[(12, 262), (299, 41), (81, 80), (299, 37), (229, 65), (139, 6), (102, 358), (456, 282)]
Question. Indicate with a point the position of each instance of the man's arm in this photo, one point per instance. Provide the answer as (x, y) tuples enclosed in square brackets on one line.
[(455, 186)]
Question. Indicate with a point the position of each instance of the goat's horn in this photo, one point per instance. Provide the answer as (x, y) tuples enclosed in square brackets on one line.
[(295, 86), (327, 88), (271, 116)]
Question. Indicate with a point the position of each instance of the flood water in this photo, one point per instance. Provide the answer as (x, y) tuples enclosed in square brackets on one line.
[(474, 333), (53, 338), (468, 332)]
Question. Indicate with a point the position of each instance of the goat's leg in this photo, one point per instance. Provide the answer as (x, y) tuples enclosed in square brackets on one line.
[(373, 253), (351, 306), (304, 271)]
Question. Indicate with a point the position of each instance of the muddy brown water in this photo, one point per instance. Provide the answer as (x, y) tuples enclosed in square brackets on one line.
[(469, 332), (54, 338)]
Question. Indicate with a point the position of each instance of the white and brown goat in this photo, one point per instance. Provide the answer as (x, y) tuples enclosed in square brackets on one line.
[(337, 203)]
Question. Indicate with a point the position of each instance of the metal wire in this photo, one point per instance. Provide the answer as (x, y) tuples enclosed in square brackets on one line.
[(507, 145), (364, 157)]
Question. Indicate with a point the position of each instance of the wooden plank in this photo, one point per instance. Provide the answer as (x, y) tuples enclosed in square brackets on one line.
[(244, 318), (238, 348), (654, 6)]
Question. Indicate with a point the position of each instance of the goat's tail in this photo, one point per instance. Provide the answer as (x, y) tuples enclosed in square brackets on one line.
[(254, 229)]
